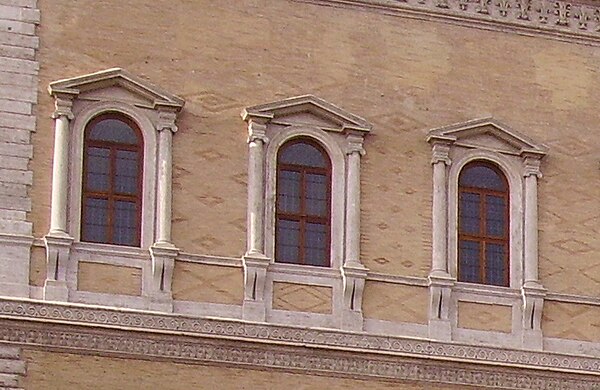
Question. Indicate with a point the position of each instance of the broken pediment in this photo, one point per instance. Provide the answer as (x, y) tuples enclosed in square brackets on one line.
[(488, 134), (115, 84), (307, 110)]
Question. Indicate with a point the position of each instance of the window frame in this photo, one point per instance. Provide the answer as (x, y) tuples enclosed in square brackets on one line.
[(301, 216), (512, 171), (338, 191), (482, 238), (83, 115), (138, 147)]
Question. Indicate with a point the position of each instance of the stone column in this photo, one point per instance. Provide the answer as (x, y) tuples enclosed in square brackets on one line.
[(256, 187), (440, 281), (440, 161), (60, 166), (255, 260), (163, 252), (58, 242), (354, 272), (530, 243), (533, 293)]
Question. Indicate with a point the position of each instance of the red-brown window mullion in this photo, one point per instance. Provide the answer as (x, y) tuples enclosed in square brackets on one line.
[(111, 192), (302, 219)]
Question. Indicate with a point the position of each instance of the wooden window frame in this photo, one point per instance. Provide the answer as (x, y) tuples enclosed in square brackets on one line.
[(483, 238), (301, 216), (111, 195)]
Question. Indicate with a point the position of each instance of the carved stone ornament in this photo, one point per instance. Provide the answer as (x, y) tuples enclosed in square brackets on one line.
[(39, 324), (562, 20)]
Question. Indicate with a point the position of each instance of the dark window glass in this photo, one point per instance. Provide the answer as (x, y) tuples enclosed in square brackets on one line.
[(303, 225), (112, 193), (483, 225)]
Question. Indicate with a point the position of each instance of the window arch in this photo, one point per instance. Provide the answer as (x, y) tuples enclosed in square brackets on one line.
[(483, 225), (112, 181), (303, 204)]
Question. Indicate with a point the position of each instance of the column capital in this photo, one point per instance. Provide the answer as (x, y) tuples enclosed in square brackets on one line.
[(63, 104), (166, 121), (355, 144), (257, 131), (531, 166), (440, 152)]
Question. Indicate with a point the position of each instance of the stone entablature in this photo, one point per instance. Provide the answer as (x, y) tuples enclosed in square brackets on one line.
[(563, 20), (148, 335)]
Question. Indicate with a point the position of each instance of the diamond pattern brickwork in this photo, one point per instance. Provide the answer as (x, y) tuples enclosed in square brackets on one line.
[(207, 283), (302, 297), (481, 316), (571, 321), (395, 302)]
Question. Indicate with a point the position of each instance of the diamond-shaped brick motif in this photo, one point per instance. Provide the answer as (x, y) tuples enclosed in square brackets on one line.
[(210, 200), (209, 154), (572, 246), (571, 321), (394, 302), (381, 260), (212, 101), (299, 297), (208, 242), (202, 283)]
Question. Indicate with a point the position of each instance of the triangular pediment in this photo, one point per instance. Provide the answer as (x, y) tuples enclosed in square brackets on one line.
[(488, 134), (116, 84), (307, 110)]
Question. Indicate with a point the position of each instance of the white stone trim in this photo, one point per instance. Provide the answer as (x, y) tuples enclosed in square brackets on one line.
[(518, 157), (83, 115), (27, 317), (559, 20), (338, 190), (341, 134), (154, 111), (511, 170)]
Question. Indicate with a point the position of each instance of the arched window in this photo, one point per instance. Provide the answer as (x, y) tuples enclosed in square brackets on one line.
[(483, 226), (112, 181), (303, 210)]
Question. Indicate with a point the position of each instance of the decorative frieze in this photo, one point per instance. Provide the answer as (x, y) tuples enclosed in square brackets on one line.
[(288, 357), (33, 311), (562, 20)]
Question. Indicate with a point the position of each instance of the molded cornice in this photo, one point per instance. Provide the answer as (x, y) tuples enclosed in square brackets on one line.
[(561, 20), (150, 334)]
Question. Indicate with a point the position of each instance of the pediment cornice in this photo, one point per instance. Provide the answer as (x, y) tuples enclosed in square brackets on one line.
[(116, 77)]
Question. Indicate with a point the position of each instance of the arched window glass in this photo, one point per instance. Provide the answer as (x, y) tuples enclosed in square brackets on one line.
[(303, 207), (483, 226), (112, 181)]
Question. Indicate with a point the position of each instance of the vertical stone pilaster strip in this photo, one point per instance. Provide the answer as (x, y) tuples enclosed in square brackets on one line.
[(18, 72)]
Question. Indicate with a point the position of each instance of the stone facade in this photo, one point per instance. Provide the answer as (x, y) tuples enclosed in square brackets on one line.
[(513, 80)]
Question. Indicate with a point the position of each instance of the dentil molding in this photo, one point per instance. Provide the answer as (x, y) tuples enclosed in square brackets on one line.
[(561, 20), (20, 316)]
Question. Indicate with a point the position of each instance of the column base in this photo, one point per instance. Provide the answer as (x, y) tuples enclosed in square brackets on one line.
[(56, 290), (255, 280)]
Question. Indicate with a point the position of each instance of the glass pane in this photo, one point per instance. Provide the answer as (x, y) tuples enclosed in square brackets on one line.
[(316, 194), (288, 241), (113, 130), (315, 245), (480, 176), (288, 192), (95, 223), (125, 223), (126, 174), (301, 153), (469, 262), (97, 169), (469, 222), (495, 255), (495, 216)]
